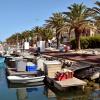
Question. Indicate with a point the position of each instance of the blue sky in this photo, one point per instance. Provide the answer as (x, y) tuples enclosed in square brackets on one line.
[(20, 15)]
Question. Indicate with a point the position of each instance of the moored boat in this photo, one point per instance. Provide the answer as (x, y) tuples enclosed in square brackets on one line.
[(15, 76), (25, 79)]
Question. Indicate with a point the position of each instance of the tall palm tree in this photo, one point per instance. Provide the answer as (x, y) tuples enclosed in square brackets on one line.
[(46, 34), (78, 19), (97, 14), (26, 34), (56, 22), (97, 9), (12, 40), (43, 33), (37, 31)]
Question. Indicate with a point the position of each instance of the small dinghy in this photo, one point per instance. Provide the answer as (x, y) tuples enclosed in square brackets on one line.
[(25, 79)]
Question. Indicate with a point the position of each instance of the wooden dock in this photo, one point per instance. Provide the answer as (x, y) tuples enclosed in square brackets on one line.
[(62, 85)]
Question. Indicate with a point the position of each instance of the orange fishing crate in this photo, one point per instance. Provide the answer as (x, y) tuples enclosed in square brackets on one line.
[(63, 75)]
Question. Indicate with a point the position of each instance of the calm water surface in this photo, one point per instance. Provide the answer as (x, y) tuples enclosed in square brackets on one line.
[(15, 92)]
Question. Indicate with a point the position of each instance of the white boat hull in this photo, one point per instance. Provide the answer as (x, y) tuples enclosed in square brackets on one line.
[(19, 79)]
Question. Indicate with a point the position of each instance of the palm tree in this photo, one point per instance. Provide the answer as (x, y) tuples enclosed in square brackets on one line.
[(97, 14), (56, 22), (26, 34), (37, 31), (43, 33), (46, 35), (97, 9), (78, 19)]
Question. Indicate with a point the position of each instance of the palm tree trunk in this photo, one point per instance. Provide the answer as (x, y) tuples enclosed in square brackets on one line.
[(69, 34), (77, 37), (58, 42), (46, 43)]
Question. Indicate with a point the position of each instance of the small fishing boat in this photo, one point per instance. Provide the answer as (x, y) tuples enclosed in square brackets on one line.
[(24, 73), (89, 72), (25, 79)]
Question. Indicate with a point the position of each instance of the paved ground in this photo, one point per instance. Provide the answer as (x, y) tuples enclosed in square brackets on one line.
[(78, 57), (75, 55)]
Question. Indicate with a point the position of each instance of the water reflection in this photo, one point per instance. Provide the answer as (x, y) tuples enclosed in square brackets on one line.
[(73, 93), (21, 94), (39, 91), (95, 95), (2, 72), (49, 93), (30, 92), (70, 94)]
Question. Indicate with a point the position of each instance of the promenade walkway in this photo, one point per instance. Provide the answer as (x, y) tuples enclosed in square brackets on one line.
[(77, 56)]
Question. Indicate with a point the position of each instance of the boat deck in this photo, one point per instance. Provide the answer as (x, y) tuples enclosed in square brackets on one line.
[(70, 82), (92, 59), (66, 83), (12, 71)]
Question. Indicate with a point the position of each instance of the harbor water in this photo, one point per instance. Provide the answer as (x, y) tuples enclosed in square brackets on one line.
[(41, 92)]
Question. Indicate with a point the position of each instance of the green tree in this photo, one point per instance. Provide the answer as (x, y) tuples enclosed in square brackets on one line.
[(56, 22), (37, 31), (97, 14), (43, 33), (26, 34), (78, 19), (97, 9)]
